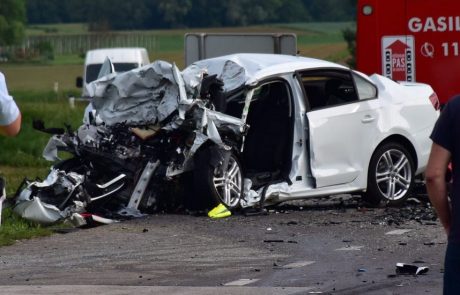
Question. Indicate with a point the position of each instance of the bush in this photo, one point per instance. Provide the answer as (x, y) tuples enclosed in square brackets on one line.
[(45, 50)]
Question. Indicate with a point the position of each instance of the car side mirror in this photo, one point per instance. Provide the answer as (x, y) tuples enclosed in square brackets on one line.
[(79, 82)]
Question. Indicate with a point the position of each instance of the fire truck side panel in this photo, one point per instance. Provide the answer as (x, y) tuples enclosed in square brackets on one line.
[(411, 40)]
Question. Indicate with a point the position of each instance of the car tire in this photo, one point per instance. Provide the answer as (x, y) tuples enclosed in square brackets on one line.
[(214, 184), (390, 176)]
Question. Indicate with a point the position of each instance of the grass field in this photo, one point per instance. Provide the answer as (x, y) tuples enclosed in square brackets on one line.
[(33, 87)]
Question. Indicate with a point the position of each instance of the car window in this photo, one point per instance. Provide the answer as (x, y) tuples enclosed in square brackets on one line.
[(366, 89), (92, 70), (328, 88)]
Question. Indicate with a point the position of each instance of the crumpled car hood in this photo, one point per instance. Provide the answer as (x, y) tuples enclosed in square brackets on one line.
[(146, 95), (150, 94), (157, 97)]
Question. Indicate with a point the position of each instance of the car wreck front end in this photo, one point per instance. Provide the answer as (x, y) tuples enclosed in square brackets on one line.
[(138, 141)]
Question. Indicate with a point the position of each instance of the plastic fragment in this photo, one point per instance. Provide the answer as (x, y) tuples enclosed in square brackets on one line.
[(410, 269), (220, 211)]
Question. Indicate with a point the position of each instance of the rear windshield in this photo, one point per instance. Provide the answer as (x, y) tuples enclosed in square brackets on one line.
[(93, 70)]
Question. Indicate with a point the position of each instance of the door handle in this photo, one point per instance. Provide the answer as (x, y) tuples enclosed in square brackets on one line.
[(367, 119)]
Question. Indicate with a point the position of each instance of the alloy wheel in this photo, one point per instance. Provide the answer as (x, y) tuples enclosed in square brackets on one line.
[(393, 174), (228, 183)]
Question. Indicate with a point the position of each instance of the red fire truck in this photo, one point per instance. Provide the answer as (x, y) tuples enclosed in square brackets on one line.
[(411, 40)]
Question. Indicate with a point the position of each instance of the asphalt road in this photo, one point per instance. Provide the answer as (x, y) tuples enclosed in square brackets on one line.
[(316, 247)]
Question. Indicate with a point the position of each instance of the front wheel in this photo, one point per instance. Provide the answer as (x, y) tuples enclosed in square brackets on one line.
[(218, 181), (391, 175)]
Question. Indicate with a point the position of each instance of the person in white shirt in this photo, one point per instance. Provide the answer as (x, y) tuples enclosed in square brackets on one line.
[(10, 116)]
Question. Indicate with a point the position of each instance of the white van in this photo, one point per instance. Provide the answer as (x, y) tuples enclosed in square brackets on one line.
[(123, 59)]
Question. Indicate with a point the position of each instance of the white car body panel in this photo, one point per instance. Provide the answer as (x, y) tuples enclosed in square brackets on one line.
[(332, 146), (349, 124)]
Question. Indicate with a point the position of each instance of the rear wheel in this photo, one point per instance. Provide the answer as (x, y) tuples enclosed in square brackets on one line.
[(218, 182), (391, 175)]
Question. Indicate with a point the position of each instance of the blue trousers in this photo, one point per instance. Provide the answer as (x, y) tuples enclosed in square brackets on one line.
[(452, 269)]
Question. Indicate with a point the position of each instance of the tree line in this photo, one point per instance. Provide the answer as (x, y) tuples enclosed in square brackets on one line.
[(151, 14), (12, 20)]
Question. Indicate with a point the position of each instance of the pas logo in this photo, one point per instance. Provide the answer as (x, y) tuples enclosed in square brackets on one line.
[(398, 59)]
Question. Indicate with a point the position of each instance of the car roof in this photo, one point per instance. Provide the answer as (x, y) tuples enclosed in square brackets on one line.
[(116, 55), (249, 68)]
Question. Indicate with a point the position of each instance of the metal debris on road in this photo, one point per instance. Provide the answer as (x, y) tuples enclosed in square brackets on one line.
[(410, 269)]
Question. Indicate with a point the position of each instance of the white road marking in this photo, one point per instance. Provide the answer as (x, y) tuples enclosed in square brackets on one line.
[(350, 248), (298, 264), (241, 282), (398, 232)]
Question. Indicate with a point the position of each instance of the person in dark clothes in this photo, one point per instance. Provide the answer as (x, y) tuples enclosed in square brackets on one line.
[(444, 151)]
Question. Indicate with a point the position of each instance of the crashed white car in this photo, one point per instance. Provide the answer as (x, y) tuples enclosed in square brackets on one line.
[(318, 128), (246, 129)]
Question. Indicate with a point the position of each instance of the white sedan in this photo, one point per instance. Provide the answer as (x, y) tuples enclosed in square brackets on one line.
[(246, 129), (318, 128)]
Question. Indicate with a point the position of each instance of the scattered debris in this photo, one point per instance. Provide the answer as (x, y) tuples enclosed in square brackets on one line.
[(410, 269), (250, 211), (422, 213), (350, 248), (413, 200), (298, 264), (65, 230), (220, 211), (273, 241), (398, 232)]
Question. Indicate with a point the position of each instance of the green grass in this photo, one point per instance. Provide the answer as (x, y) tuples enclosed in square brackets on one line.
[(15, 228), (320, 27), (33, 77), (75, 28), (69, 59)]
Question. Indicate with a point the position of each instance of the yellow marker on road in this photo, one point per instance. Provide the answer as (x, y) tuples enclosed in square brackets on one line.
[(220, 211)]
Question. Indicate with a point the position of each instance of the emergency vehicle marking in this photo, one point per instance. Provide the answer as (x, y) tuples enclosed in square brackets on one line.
[(398, 58), (450, 48), (427, 50), (431, 24), (435, 27)]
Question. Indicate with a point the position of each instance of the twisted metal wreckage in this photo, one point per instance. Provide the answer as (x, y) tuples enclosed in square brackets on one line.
[(144, 130)]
